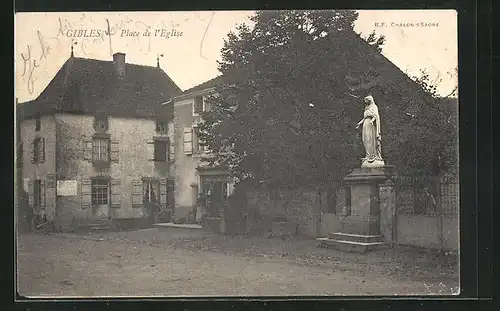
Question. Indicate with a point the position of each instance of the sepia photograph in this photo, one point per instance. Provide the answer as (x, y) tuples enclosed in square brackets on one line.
[(272, 153)]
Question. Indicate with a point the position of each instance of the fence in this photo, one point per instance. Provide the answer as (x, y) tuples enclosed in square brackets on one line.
[(426, 206), (415, 195), (427, 195)]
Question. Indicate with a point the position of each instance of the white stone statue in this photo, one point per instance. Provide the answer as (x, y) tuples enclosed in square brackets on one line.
[(371, 134)]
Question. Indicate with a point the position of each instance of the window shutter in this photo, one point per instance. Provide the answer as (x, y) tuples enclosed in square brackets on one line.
[(136, 193), (115, 193), (42, 194), (115, 151), (167, 156), (42, 150), (150, 149), (170, 193), (157, 126), (172, 151), (33, 156), (86, 193), (87, 149), (31, 190), (163, 192), (188, 140)]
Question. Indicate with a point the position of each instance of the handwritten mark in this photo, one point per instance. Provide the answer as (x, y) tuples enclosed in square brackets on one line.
[(146, 29), (29, 67), (204, 34), (45, 46), (31, 80), (26, 60), (109, 37)]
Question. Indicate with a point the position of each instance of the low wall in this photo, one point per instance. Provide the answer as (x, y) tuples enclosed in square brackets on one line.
[(424, 231), (306, 207), (309, 208)]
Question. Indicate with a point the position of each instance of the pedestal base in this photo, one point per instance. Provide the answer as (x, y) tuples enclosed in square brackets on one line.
[(360, 229), (375, 163), (353, 242)]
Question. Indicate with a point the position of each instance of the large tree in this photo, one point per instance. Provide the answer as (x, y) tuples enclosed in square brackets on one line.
[(290, 96)]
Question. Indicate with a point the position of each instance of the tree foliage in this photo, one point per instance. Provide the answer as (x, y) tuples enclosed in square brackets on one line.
[(442, 122), (291, 93)]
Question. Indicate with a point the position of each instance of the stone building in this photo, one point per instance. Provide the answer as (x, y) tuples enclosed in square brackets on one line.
[(192, 176), (95, 144)]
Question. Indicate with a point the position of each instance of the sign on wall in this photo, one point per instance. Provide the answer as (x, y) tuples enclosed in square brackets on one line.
[(67, 187)]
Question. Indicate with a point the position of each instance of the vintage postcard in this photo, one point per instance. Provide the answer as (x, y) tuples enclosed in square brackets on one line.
[(237, 153)]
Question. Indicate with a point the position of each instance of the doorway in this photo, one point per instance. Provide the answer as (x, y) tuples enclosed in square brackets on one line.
[(151, 199), (216, 192), (100, 194)]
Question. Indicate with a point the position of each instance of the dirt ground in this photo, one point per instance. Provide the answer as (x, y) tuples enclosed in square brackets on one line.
[(173, 262)]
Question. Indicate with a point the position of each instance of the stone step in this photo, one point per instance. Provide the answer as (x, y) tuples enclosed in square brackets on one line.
[(355, 237), (100, 228), (349, 246), (169, 225), (95, 225)]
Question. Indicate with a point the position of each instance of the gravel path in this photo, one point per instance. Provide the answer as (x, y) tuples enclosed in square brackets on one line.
[(192, 263)]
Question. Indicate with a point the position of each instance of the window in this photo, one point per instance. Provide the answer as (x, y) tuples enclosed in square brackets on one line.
[(38, 123), (38, 150), (100, 149), (198, 106), (37, 193), (197, 142), (161, 151), (100, 191), (100, 124), (20, 154), (161, 127), (150, 190)]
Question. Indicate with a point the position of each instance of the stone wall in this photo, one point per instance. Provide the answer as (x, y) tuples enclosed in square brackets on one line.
[(309, 208), (305, 207), (134, 163), (40, 170)]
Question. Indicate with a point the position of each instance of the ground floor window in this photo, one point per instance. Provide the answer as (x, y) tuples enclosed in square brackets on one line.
[(150, 190), (100, 191)]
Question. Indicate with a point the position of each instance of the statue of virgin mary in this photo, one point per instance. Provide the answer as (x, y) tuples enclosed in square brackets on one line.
[(371, 134)]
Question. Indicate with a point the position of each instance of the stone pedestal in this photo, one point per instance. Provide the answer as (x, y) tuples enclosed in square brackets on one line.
[(361, 226)]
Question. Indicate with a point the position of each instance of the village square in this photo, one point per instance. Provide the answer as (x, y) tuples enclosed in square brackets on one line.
[(310, 165)]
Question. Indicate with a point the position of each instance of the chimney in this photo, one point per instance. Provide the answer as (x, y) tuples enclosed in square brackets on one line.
[(119, 64)]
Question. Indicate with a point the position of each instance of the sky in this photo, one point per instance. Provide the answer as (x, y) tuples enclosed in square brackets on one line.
[(190, 42)]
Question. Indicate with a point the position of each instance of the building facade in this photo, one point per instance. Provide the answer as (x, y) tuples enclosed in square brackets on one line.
[(95, 144), (192, 176)]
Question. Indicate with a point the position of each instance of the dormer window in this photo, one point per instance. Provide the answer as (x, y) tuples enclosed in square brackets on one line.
[(161, 127), (100, 124)]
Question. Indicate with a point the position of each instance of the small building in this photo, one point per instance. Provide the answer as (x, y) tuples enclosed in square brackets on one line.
[(95, 144), (192, 176)]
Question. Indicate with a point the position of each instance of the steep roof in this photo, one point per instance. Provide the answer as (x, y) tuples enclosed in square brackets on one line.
[(203, 86), (90, 86)]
